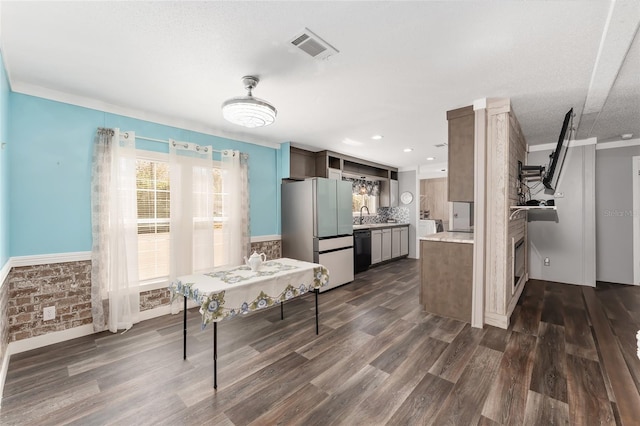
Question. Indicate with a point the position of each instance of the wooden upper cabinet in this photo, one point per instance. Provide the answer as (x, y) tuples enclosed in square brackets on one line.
[(461, 153), (302, 163)]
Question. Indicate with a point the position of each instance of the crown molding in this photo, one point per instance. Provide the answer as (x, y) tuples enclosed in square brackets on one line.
[(85, 102)]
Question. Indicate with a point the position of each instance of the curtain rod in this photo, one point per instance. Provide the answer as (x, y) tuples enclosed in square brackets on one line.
[(157, 140)]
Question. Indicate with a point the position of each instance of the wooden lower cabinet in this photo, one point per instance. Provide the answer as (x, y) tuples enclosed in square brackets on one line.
[(389, 243), (404, 241), (386, 244), (376, 246), (395, 242), (446, 275)]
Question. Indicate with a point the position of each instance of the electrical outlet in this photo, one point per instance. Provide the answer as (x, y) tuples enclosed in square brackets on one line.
[(547, 261), (49, 313)]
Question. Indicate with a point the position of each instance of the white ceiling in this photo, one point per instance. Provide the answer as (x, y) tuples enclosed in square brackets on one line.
[(401, 66)]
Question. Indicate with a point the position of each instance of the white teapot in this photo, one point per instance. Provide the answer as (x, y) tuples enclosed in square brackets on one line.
[(255, 260)]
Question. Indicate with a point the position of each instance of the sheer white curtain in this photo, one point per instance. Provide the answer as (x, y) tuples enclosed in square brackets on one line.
[(114, 257), (235, 202), (192, 219)]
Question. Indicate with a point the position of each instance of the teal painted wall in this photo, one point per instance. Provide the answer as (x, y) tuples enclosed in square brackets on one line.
[(4, 165), (50, 180), (284, 167)]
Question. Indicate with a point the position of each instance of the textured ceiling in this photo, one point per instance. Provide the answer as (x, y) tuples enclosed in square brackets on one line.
[(401, 66)]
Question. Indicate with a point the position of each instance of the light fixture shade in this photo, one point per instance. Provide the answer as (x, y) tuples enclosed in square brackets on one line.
[(248, 111)]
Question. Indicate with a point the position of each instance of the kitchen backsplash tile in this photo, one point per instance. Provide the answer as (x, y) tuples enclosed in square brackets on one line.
[(399, 214)]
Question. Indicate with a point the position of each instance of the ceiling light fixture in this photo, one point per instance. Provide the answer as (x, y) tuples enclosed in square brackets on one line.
[(626, 136), (376, 137), (351, 142), (408, 149), (248, 111), (431, 158)]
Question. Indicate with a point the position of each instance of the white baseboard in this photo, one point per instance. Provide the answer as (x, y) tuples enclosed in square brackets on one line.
[(155, 312), (49, 339), (72, 333)]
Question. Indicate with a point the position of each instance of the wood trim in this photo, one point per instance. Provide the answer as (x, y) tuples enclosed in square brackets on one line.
[(480, 178), (44, 259), (356, 160), (589, 216), (624, 388), (496, 320), (516, 296), (49, 339), (636, 219), (498, 106), (263, 238)]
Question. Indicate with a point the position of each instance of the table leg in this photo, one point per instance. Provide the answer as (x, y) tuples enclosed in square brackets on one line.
[(316, 292), (281, 310), (215, 355), (184, 330)]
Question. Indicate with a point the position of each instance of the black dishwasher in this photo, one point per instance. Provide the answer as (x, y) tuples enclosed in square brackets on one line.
[(362, 250)]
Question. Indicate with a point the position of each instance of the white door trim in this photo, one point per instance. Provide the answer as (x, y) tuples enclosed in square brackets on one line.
[(636, 220)]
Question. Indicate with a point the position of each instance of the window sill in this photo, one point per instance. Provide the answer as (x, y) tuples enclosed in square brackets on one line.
[(154, 284)]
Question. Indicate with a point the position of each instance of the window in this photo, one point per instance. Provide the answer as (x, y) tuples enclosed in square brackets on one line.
[(153, 199), (364, 193), (152, 181), (360, 200)]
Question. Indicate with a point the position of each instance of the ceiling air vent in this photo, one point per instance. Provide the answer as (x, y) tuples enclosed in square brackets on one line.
[(313, 45)]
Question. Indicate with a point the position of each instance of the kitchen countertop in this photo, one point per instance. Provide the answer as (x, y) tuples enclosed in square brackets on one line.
[(378, 225), (450, 237)]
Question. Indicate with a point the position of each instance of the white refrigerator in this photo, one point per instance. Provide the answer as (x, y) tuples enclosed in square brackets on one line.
[(317, 226)]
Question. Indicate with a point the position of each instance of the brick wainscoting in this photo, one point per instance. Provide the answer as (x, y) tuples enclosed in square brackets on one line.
[(154, 298), (67, 286), (272, 249)]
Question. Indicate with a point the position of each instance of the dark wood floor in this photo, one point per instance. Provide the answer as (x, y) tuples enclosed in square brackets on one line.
[(378, 360)]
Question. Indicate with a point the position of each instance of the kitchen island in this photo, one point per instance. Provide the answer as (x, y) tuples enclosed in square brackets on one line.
[(446, 274)]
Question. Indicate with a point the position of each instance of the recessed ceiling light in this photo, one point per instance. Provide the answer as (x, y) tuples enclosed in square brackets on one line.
[(376, 137), (431, 158), (626, 136), (351, 142), (408, 149)]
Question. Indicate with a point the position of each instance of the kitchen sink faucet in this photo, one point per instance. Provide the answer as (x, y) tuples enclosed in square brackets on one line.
[(363, 207)]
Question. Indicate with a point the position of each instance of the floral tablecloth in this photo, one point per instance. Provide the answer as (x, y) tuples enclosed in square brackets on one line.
[(230, 291)]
